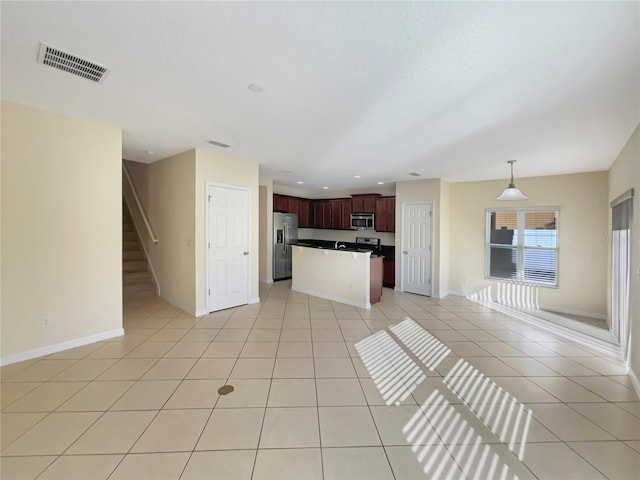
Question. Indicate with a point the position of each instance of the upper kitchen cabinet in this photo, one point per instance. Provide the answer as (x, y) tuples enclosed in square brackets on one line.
[(280, 203), (385, 220), (302, 207), (293, 205), (335, 213), (346, 214), (321, 214), (305, 213), (364, 203)]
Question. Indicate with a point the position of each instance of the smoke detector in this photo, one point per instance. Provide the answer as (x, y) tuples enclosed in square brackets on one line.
[(68, 62)]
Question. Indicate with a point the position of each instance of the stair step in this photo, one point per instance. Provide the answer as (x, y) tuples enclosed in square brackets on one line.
[(133, 255), (136, 278), (134, 266), (141, 290), (130, 245), (133, 278)]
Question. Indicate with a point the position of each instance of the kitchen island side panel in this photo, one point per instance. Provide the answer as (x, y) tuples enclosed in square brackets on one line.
[(332, 274)]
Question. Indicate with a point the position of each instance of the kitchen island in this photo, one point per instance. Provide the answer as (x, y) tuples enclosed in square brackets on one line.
[(351, 276)]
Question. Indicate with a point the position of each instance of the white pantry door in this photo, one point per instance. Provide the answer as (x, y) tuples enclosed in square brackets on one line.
[(228, 247), (416, 248)]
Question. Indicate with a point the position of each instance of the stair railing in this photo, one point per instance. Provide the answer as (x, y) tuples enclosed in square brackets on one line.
[(129, 191), (152, 235)]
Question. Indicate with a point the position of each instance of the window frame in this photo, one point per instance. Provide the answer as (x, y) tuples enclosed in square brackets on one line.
[(520, 247)]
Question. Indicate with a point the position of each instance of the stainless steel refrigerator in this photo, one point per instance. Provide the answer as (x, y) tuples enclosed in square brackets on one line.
[(285, 233)]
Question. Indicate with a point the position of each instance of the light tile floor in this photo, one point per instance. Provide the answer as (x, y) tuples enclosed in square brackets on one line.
[(415, 388)]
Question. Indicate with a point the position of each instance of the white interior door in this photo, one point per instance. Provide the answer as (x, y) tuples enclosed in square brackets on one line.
[(416, 248), (228, 245)]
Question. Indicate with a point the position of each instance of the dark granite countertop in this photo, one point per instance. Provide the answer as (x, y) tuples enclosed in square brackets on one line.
[(347, 247)]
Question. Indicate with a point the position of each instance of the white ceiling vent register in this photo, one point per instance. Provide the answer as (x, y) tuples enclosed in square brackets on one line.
[(218, 144), (68, 62)]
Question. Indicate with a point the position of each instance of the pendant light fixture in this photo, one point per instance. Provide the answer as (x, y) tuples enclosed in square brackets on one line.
[(512, 192)]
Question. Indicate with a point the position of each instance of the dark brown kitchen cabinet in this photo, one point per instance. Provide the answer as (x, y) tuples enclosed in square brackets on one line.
[(293, 205), (385, 220), (321, 214), (364, 203), (346, 214), (318, 214), (375, 280), (280, 203), (302, 207), (336, 213), (389, 276), (305, 213)]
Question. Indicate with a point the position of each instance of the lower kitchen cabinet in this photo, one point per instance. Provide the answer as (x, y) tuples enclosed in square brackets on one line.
[(375, 278), (389, 277)]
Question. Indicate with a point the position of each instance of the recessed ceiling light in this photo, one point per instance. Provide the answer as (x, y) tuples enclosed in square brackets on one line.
[(255, 88), (325, 188), (380, 183), (356, 176), (149, 152), (415, 174), (300, 182)]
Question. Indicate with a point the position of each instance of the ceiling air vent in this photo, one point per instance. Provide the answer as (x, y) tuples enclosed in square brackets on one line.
[(218, 144), (68, 62)]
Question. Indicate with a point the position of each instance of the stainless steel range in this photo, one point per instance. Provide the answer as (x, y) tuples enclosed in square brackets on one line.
[(366, 242)]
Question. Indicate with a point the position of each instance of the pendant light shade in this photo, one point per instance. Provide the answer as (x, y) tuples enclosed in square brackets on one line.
[(512, 192)]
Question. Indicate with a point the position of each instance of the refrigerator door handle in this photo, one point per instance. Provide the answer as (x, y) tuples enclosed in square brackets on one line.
[(286, 238)]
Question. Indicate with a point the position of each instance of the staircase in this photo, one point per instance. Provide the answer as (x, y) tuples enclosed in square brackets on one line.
[(137, 280)]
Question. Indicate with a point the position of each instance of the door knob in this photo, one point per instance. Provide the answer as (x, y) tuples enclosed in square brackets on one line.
[(404, 252), (245, 253)]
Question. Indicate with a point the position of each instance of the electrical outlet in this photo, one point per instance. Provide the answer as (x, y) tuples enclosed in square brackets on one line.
[(45, 323)]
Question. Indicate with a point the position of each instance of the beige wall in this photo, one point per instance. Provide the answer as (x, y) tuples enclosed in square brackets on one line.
[(445, 239), (225, 170), (425, 191), (582, 230), (623, 175), (61, 230)]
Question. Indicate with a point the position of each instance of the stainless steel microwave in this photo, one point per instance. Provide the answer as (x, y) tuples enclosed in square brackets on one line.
[(362, 221)]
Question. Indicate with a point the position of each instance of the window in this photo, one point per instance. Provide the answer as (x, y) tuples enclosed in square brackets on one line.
[(522, 245)]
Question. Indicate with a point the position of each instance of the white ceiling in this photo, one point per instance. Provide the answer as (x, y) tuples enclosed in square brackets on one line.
[(450, 90)]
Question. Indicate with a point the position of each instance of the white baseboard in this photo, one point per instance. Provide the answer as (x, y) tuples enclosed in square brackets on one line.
[(446, 293), (568, 311), (588, 336), (333, 298), (58, 347), (200, 313), (254, 300), (634, 381), (456, 293)]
